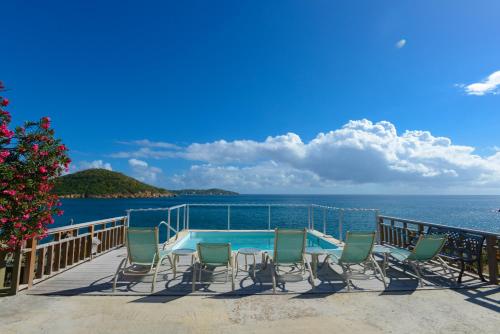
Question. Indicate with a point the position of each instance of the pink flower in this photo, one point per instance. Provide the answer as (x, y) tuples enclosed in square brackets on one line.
[(4, 154), (45, 123), (35, 148), (42, 169), (5, 102), (26, 216), (9, 192)]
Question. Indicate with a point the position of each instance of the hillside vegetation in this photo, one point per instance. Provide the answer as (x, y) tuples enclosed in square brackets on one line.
[(102, 183)]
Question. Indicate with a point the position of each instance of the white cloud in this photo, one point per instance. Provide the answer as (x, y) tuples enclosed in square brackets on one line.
[(263, 177), (149, 143), (143, 172), (401, 43), (361, 152), (81, 165), (489, 85)]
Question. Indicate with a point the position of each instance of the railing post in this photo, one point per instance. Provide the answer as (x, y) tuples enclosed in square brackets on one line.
[(492, 249), (187, 217), (184, 217), (309, 217), (377, 229), (269, 217), (312, 218), (178, 220), (16, 271), (124, 230), (228, 217), (168, 229), (324, 220), (381, 230), (30, 262), (341, 221)]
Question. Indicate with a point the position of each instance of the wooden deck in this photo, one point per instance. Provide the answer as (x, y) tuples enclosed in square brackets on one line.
[(95, 278)]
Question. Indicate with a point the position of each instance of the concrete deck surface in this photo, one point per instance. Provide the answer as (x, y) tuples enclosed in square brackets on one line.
[(419, 311)]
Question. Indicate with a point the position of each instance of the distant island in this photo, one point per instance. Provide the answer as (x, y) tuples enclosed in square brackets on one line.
[(204, 192), (102, 183)]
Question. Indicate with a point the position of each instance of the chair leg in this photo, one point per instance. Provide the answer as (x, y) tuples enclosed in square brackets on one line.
[(232, 278), (311, 277), (417, 271), (480, 269), (377, 267), (194, 277), (462, 269), (346, 276), (273, 277), (115, 278), (447, 269)]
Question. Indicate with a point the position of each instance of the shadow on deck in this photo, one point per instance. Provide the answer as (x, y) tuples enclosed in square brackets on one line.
[(95, 278)]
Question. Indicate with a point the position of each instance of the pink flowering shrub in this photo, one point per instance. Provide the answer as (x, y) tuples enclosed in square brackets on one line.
[(30, 159)]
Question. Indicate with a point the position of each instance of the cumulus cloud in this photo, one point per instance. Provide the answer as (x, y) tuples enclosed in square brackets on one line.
[(145, 148), (490, 85), (401, 43), (263, 177), (361, 152), (143, 171), (81, 165)]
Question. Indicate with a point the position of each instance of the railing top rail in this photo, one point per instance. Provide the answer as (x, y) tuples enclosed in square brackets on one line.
[(418, 222), (157, 209), (82, 225), (344, 209)]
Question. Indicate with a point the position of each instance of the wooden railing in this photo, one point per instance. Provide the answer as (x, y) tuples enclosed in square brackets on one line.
[(399, 232), (63, 248)]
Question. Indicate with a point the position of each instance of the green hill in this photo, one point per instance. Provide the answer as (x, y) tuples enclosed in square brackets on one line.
[(102, 183)]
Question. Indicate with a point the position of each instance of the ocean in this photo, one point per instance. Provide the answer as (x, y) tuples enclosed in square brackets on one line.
[(475, 212)]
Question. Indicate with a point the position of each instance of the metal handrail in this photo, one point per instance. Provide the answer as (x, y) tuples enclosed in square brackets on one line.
[(418, 222)]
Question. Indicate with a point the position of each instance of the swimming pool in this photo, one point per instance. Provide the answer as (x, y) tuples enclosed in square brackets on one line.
[(263, 240)]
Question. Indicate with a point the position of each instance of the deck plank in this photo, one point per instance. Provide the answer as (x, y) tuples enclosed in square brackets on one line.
[(95, 278)]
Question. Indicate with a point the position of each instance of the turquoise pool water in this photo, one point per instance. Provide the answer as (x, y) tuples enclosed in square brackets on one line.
[(262, 240)]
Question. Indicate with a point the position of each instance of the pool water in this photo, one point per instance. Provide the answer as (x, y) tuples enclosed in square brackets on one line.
[(262, 240)]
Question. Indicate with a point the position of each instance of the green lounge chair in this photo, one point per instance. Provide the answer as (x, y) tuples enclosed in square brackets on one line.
[(289, 251), (426, 249), (210, 256), (143, 254), (357, 251)]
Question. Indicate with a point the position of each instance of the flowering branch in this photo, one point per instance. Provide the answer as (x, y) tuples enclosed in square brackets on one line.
[(30, 160)]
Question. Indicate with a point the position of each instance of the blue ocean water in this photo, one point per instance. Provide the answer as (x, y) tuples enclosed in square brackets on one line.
[(476, 212)]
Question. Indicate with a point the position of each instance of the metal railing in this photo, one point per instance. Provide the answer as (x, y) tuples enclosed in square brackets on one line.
[(311, 223), (399, 232)]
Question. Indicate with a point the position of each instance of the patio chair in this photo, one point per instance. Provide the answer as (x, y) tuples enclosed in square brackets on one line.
[(357, 251), (426, 249), (211, 256), (289, 251), (143, 254)]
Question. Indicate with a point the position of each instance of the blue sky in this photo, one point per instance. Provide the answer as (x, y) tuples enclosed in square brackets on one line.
[(133, 86)]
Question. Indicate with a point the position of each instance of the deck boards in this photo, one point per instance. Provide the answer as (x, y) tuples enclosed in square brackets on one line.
[(95, 278)]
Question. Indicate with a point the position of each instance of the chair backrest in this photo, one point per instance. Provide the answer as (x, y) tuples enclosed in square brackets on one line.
[(142, 245), (427, 247), (215, 254), (358, 247), (289, 245)]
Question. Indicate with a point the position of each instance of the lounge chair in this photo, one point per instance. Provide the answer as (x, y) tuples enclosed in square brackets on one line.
[(210, 256), (426, 249), (289, 251), (357, 251), (143, 254)]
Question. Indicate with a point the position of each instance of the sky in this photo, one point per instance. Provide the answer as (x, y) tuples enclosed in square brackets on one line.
[(306, 97)]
